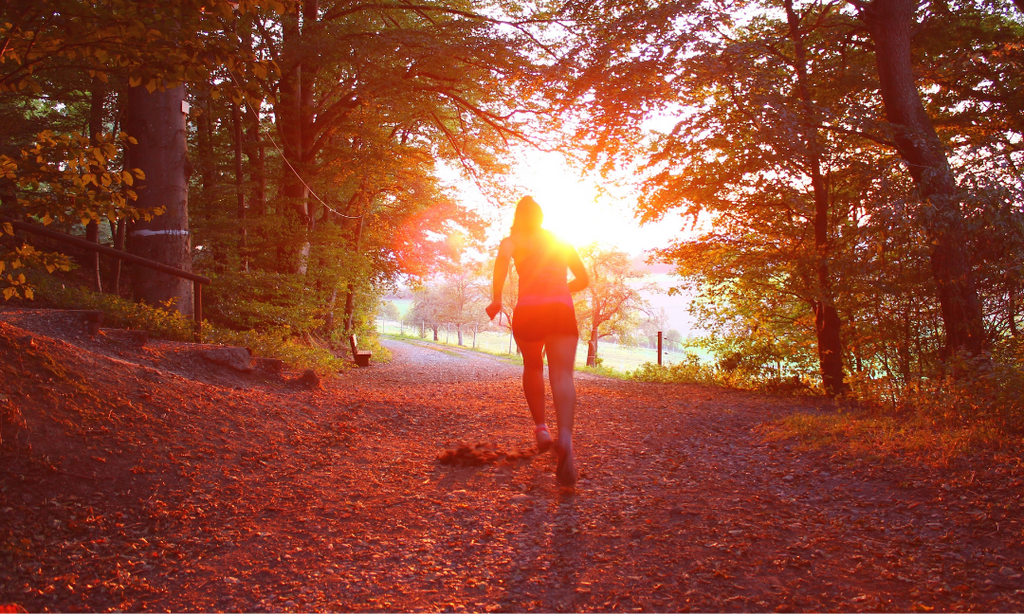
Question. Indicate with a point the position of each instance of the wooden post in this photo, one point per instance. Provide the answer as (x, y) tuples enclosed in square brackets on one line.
[(659, 348)]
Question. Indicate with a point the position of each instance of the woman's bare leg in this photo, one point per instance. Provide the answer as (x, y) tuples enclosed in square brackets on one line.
[(561, 352), (533, 378)]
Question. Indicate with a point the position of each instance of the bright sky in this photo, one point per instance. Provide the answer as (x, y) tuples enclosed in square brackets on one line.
[(578, 211)]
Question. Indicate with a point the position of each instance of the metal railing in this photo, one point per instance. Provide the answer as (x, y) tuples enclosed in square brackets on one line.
[(198, 281)]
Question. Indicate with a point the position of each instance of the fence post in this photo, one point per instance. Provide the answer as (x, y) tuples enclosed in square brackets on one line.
[(659, 348)]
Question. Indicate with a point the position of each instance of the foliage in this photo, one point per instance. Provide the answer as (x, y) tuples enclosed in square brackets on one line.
[(65, 178), (263, 301), (281, 342), (612, 301), (50, 52), (29, 258), (152, 43), (689, 371), (747, 105), (160, 322)]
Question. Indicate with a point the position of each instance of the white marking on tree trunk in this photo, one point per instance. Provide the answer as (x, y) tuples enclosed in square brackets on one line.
[(149, 233)]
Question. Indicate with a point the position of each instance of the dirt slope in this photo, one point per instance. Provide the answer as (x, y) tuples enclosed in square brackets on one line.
[(148, 479)]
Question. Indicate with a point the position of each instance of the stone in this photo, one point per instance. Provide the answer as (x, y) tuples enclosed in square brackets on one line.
[(274, 366), (309, 379), (236, 358)]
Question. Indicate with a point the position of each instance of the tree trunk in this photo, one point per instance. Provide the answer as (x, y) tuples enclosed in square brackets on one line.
[(92, 229), (592, 348), (236, 120), (295, 119), (828, 325), (891, 23), (1011, 306), (257, 164), (157, 122), (329, 316), (204, 143), (350, 299), (117, 231)]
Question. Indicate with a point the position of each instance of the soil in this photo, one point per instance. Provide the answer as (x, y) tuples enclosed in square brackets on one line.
[(146, 478)]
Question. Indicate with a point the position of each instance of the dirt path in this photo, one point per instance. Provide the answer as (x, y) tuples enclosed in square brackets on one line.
[(231, 492)]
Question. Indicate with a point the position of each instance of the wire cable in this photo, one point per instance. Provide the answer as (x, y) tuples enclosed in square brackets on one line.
[(259, 132)]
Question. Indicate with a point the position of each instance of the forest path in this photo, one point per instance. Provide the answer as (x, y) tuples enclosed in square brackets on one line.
[(257, 495)]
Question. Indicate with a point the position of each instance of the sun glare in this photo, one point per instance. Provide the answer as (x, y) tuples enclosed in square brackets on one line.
[(578, 210)]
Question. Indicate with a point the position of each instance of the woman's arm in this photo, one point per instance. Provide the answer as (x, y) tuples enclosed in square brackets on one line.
[(581, 278), (500, 273)]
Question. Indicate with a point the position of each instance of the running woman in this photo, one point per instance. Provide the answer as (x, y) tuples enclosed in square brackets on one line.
[(544, 321)]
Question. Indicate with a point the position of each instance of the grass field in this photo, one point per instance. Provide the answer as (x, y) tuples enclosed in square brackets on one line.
[(612, 355)]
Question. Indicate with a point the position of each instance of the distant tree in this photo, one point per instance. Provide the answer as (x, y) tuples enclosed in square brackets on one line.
[(428, 307), (673, 337), (655, 320), (612, 302), (389, 311)]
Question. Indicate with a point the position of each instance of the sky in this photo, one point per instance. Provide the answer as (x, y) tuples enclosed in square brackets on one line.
[(579, 211)]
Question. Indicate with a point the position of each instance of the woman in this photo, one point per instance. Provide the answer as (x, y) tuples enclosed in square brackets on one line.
[(544, 321)]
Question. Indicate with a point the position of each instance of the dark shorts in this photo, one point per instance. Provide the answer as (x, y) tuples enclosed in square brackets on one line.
[(532, 323)]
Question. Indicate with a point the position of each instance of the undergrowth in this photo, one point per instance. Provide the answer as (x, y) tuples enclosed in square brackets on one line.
[(975, 406), (694, 371), (302, 352)]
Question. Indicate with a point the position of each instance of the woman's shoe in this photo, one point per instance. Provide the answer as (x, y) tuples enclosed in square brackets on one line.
[(543, 438), (566, 471)]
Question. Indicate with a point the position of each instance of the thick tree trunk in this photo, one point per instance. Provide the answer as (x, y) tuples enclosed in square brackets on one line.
[(295, 120), (828, 325), (891, 23), (592, 348), (157, 122)]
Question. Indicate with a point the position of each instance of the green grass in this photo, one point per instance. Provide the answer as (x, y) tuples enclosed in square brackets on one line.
[(616, 361)]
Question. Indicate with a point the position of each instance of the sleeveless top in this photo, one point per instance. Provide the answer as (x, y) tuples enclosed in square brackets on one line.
[(543, 272)]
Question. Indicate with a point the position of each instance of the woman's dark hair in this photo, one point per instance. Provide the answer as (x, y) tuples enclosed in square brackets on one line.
[(528, 217)]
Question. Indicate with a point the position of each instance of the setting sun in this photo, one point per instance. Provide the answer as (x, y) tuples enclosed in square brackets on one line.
[(579, 211)]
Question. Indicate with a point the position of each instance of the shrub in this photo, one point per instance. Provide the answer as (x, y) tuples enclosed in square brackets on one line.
[(300, 351), (690, 371)]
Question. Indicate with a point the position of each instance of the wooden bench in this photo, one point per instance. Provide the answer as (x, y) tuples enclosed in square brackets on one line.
[(362, 357)]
